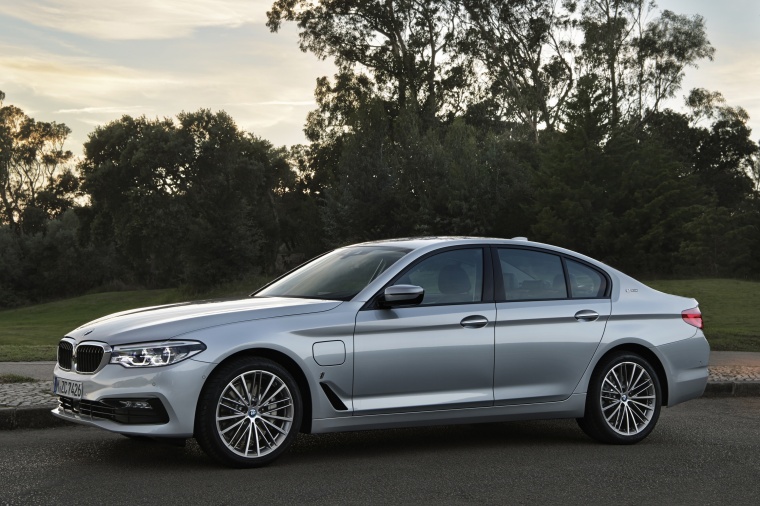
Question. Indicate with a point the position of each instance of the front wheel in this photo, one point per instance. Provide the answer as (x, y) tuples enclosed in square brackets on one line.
[(623, 400), (249, 412)]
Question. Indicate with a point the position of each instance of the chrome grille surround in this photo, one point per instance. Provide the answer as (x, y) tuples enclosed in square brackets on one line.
[(87, 357)]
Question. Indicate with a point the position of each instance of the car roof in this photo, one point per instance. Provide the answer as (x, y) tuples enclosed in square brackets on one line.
[(421, 245), (414, 243)]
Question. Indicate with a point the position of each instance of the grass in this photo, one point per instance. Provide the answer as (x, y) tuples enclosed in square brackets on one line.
[(15, 378), (729, 309), (27, 352), (31, 333)]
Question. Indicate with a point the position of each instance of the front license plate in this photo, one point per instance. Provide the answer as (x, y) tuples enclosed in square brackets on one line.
[(67, 388)]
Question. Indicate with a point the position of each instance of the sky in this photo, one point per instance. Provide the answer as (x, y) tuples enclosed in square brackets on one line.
[(88, 62)]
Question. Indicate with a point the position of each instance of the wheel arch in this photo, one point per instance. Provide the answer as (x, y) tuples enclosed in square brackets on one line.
[(288, 363), (650, 356)]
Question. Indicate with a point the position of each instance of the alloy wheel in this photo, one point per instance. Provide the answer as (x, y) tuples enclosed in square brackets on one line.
[(628, 398), (254, 414)]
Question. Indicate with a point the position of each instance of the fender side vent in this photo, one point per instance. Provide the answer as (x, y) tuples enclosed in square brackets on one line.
[(337, 404)]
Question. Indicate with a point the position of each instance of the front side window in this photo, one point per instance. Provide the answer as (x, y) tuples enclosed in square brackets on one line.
[(338, 275), (451, 277), (531, 275)]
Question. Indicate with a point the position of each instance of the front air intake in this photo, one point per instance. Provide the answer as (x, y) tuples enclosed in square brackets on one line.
[(126, 411)]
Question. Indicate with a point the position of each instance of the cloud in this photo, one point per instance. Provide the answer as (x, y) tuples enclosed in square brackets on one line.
[(76, 79), (135, 19), (202, 61), (309, 103), (290, 103), (104, 110), (87, 91)]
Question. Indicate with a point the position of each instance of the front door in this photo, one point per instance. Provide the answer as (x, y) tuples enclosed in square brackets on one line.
[(436, 355)]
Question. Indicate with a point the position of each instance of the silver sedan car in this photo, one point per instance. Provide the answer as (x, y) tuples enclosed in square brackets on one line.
[(394, 333)]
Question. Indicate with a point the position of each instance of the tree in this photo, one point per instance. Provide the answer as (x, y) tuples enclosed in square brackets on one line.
[(642, 63), (713, 142), (193, 201), (405, 45), (725, 159), (668, 45), (363, 200), (628, 202), (42, 266), (35, 182), (490, 117), (527, 55), (395, 178), (609, 29), (11, 269)]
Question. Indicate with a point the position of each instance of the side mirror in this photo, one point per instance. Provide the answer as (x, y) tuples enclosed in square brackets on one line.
[(402, 295)]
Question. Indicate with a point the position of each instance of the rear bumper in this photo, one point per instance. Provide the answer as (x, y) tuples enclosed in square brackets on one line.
[(685, 364)]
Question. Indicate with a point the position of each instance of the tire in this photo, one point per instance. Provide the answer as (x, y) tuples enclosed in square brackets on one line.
[(623, 401), (249, 412)]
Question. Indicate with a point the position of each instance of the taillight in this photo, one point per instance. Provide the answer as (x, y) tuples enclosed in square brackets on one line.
[(693, 316)]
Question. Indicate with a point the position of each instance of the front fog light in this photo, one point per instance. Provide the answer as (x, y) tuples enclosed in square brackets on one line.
[(135, 404), (155, 354), (136, 411)]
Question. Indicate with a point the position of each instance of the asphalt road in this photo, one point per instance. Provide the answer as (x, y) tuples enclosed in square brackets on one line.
[(706, 451)]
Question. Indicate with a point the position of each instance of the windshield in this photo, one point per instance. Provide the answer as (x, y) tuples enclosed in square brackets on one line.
[(338, 275)]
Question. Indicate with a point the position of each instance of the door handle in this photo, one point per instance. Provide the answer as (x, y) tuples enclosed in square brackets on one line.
[(586, 315), (474, 322)]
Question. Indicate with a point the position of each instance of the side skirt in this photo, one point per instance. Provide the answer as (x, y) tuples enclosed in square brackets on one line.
[(572, 407)]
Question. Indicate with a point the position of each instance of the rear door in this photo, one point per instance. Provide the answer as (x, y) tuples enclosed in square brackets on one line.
[(551, 312)]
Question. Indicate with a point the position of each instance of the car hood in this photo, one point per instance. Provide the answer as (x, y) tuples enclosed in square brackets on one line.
[(165, 322)]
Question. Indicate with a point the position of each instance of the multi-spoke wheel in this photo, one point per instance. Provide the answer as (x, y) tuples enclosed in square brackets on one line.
[(249, 412), (628, 398), (623, 400)]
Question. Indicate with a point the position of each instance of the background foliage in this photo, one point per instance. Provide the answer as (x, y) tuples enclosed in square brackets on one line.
[(545, 118)]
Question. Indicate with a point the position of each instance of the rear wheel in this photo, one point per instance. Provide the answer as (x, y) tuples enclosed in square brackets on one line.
[(249, 412), (623, 401)]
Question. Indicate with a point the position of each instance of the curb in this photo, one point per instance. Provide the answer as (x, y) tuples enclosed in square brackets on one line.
[(30, 417), (732, 389), (39, 417)]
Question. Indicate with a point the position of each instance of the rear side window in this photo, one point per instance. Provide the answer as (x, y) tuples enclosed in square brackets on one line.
[(585, 282), (532, 275), (538, 275)]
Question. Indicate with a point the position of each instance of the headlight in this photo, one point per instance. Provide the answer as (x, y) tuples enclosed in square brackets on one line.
[(155, 354)]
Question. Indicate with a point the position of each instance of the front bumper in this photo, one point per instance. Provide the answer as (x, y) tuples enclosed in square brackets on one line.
[(175, 388)]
